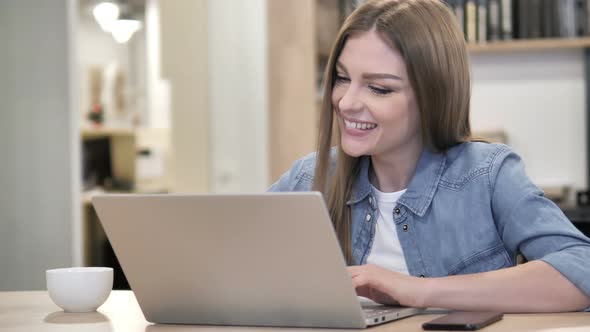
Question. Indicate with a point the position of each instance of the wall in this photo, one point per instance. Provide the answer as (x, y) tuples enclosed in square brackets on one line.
[(218, 92), (157, 89), (239, 95), (538, 98), (137, 91), (293, 115), (184, 59), (39, 205)]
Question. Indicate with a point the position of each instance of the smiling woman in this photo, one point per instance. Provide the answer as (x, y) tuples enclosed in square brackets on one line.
[(425, 215)]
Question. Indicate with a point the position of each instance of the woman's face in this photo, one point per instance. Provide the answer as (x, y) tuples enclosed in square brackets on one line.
[(373, 100)]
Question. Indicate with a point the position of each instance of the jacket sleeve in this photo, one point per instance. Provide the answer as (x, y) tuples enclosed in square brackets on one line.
[(533, 225)]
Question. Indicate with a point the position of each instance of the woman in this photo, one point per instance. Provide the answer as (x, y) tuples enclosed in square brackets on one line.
[(426, 216)]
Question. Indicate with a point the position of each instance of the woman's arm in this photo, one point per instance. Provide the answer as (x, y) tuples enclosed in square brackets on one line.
[(531, 287)]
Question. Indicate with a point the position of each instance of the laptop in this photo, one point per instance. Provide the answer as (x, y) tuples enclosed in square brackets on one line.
[(269, 259)]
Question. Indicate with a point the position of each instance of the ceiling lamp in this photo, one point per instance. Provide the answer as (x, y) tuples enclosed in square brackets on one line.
[(106, 13), (123, 30)]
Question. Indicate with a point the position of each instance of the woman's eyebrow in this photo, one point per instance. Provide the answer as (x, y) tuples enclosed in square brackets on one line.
[(381, 75), (340, 66)]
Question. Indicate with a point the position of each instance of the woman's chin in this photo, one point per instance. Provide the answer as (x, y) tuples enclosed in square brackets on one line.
[(354, 151)]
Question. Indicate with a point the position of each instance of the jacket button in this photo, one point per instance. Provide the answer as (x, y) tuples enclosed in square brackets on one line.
[(397, 211), (405, 227), (368, 217), (370, 200), (421, 276)]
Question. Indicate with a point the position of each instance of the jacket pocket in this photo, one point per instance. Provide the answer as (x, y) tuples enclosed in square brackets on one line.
[(491, 259)]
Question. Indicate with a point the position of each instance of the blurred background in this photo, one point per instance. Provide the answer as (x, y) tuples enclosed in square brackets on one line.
[(194, 96)]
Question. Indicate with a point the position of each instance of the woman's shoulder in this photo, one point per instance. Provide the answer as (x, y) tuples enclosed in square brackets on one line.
[(300, 176), (476, 152), (304, 168), (473, 158)]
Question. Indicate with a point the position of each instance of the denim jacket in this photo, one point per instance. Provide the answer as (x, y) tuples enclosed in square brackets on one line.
[(470, 209)]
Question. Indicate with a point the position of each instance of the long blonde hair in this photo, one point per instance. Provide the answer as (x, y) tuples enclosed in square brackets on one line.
[(428, 37)]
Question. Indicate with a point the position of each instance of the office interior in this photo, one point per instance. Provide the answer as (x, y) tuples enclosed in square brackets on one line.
[(218, 96)]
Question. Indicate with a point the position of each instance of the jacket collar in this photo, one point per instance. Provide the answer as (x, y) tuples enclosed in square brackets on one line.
[(421, 188)]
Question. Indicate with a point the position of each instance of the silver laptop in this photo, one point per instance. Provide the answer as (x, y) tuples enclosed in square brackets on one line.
[(268, 259)]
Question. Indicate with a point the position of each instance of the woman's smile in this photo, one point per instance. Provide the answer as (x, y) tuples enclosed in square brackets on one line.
[(357, 128)]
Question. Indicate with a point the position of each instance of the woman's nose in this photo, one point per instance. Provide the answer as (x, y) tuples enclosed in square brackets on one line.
[(350, 101)]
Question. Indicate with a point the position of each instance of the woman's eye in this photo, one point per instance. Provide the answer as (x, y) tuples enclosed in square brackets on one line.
[(380, 91)]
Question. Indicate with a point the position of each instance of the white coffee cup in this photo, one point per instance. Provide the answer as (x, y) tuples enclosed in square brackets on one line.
[(79, 289)]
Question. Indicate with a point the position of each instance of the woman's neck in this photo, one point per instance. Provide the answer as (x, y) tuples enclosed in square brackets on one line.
[(393, 171)]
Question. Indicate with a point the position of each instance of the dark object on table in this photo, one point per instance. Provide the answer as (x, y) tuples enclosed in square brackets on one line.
[(463, 321)]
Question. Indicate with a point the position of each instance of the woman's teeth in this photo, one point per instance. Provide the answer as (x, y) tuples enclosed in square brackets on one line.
[(358, 125)]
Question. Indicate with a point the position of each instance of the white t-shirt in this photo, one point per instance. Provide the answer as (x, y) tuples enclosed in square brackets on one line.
[(386, 250)]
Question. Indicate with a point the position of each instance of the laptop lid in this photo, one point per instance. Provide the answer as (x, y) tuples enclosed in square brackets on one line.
[(268, 259)]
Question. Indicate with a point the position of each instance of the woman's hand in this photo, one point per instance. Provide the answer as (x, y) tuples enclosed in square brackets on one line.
[(388, 287)]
